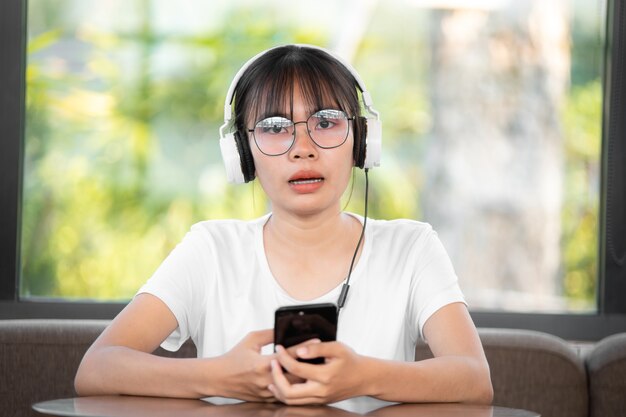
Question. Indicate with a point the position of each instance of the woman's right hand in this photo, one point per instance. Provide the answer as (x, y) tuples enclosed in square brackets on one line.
[(245, 373)]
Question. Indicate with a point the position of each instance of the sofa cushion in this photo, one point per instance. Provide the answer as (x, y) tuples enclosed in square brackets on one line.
[(606, 365)]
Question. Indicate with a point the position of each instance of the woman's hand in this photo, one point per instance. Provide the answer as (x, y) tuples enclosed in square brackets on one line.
[(340, 377), (245, 373)]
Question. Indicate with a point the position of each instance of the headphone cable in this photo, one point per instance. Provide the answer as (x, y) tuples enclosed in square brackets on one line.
[(346, 286)]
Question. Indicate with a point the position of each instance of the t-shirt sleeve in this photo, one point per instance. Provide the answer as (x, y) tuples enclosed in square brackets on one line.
[(180, 282), (434, 283)]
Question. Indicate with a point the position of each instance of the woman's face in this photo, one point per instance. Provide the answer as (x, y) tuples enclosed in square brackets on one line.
[(307, 179)]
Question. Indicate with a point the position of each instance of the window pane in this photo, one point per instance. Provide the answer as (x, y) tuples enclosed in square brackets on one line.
[(491, 111)]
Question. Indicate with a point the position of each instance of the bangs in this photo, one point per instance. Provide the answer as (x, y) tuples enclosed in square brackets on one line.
[(275, 96), (268, 88)]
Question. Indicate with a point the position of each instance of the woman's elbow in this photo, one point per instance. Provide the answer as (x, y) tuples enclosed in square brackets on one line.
[(81, 381), (484, 389), (84, 380), (485, 396), (80, 385)]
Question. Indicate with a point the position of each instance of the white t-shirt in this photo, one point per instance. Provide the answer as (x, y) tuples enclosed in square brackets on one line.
[(218, 284)]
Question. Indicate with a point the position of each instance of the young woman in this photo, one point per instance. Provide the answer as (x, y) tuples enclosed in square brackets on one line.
[(298, 128)]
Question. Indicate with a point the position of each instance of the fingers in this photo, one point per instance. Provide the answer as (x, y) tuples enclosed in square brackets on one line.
[(316, 350), (293, 366), (297, 401), (296, 394), (292, 349), (266, 395), (293, 379), (259, 338), (318, 387), (303, 383)]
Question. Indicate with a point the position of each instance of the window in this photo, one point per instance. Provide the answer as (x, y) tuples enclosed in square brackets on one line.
[(493, 124)]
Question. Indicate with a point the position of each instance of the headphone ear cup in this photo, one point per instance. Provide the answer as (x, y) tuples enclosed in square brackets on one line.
[(360, 141), (374, 143), (245, 156), (231, 159)]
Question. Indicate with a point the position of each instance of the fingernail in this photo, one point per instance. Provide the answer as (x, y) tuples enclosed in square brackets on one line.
[(302, 351)]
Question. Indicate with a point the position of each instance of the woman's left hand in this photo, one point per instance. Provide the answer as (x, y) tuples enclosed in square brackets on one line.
[(340, 377)]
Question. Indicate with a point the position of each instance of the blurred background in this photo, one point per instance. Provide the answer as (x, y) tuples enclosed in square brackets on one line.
[(491, 113)]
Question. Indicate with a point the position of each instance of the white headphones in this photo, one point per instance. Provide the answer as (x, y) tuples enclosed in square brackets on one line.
[(238, 159)]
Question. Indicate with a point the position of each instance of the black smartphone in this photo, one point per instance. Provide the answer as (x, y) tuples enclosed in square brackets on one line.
[(299, 323)]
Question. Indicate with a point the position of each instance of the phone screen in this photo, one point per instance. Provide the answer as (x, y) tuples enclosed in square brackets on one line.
[(297, 324)]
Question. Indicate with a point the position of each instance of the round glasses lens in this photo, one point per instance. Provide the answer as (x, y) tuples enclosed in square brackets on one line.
[(328, 128), (274, 135)]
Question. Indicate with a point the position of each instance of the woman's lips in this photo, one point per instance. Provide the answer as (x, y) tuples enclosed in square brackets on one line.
[(305, 182), (305, 175)]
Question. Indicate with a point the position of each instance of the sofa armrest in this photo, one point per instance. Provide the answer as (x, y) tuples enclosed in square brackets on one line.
[(532, 370), (39, 359), (606, 365)]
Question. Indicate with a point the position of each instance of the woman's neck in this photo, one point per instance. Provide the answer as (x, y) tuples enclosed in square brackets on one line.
[(309, 256), (309, 232)]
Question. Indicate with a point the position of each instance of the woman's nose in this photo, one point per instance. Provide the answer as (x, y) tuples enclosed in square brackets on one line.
[(303, 146)]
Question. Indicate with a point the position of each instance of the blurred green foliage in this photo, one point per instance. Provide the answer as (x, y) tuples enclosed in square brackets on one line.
[(122, 156), (120, 160), (582, 129)]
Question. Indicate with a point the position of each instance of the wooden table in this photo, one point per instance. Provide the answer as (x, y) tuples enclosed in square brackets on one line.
[(129, 406)]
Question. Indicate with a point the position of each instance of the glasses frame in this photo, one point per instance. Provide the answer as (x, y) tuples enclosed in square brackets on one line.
[(293, 139)]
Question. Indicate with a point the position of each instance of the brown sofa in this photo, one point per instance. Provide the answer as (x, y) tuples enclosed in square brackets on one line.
[(606, 370), (530, 370)]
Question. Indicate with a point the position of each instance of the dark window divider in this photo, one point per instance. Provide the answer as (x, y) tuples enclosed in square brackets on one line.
[(612, 282), (12, 65)]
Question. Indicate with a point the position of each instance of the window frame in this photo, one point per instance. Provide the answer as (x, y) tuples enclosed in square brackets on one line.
[(609, 319)]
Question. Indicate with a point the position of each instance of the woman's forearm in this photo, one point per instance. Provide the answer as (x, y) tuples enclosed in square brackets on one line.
[(121, 370), (441, 379)]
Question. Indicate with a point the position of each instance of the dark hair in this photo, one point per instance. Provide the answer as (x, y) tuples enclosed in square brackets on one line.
[(266, 87)]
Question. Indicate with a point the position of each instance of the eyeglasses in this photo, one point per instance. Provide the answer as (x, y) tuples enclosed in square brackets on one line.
[(327, 128)]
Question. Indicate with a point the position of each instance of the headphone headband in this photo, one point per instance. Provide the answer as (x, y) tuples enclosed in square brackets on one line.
[(367, 98), (238, 161)]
